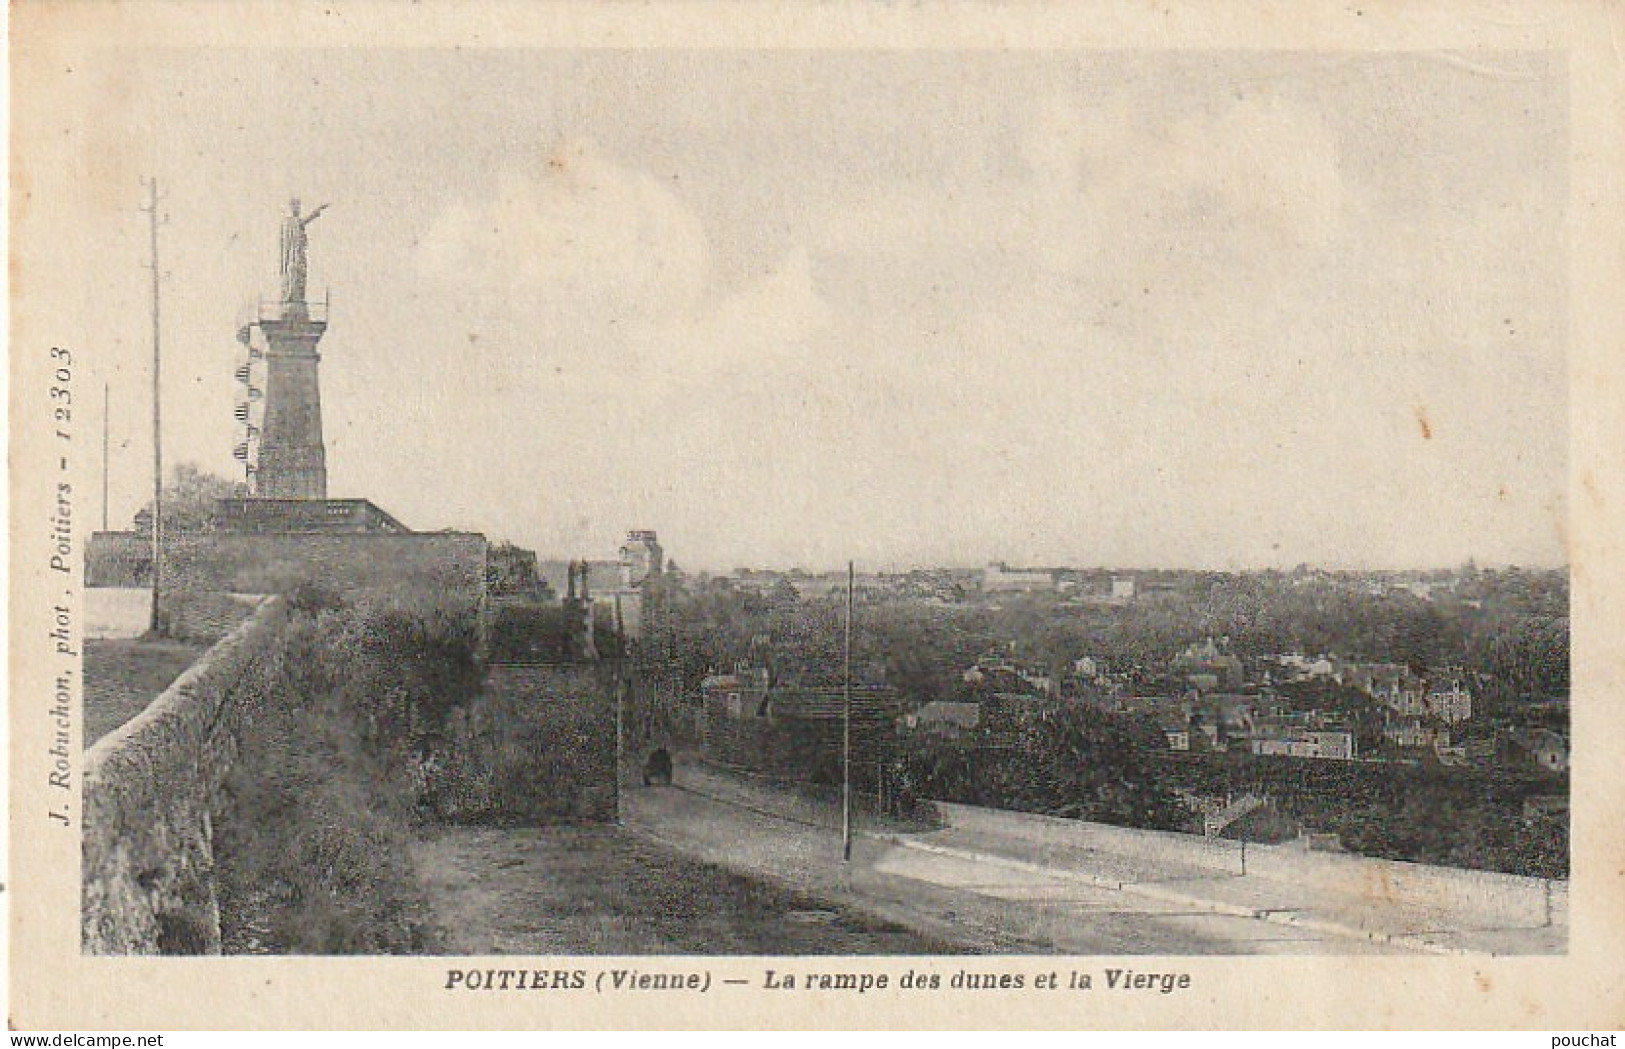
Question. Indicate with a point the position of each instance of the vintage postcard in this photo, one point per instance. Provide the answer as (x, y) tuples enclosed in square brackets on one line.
[(1090, 515)]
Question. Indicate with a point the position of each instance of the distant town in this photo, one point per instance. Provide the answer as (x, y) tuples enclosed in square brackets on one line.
[(1256, 694), (1226, 690)]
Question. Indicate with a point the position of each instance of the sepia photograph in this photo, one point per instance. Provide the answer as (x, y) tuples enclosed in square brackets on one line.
[(579, 516)]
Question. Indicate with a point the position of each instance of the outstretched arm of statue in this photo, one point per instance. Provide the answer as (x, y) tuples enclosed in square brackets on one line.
[(308, 219)]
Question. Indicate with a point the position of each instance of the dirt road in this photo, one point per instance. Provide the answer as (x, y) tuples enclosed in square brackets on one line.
[(599, 890), (717, 864), (983, 907)]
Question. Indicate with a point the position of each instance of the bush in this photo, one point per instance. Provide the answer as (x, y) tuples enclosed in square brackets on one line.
[(536, 746), (310, 598), (315, 824), (313, 848), (1064, 760)]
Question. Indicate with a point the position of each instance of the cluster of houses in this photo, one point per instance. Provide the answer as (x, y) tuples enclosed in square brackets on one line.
[(1253, 723), (795, 722), (1207, 701)]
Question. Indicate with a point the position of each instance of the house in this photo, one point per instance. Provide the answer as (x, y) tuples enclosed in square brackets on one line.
[(1204, 681), (1546, 749), (997, 671), (614, 587), (1372, 678), (1039, 680), (1301, 736), (1442, 696), (1223, 718), (1298, 667), (794, 729), (1209, 666), (1319, 744), (1406, 699), (1418, 588), (510, 570), (1176, 729), (1539, 805), (1412, 731), (735, 694), (999, 578), (1171, 713), (1391, 685), (944, 719), (1451, 704), (1454, 756)]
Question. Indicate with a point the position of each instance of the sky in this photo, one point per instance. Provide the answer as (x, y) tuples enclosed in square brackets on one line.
[(1135, 309)]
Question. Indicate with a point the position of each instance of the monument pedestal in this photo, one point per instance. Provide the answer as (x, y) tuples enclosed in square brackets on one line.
[(292, 459)]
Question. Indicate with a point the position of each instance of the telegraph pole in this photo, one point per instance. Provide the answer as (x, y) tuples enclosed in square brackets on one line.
[(107, 399), (151, 208), (623, 671), (846, 723)]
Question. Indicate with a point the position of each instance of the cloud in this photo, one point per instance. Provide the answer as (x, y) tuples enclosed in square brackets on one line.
[(569, 251), (585, 266), (1201, 198), (761, 323), (1208, 200), (609, 376)]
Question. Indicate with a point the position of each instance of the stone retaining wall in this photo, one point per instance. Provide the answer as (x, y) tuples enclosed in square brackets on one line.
[(450, 565), (148, 872), (1493, 900), (1497, 900)]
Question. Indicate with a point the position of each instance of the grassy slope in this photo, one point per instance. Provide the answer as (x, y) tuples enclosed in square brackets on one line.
[(123, 676)]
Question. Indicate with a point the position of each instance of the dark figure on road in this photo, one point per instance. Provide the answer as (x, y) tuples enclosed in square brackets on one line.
[(658, 768)]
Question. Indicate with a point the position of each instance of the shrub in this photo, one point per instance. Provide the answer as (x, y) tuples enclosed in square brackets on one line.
[(314, 826), (1064, 760), (311, 598)]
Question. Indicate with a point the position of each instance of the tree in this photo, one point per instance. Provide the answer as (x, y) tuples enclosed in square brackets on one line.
[(782, 595), (192, 500)]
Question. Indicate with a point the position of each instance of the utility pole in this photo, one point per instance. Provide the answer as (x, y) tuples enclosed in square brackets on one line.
[(151, 208), (623, 671), (846, 723), (106, 425)]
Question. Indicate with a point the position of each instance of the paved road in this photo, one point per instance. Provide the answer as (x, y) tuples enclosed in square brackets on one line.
[(951, 893)]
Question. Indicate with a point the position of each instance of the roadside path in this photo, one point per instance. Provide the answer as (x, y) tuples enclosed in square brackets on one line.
[(939, 886)]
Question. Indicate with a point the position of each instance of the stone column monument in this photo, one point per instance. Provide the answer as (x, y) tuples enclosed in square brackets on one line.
[(292, 457)]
